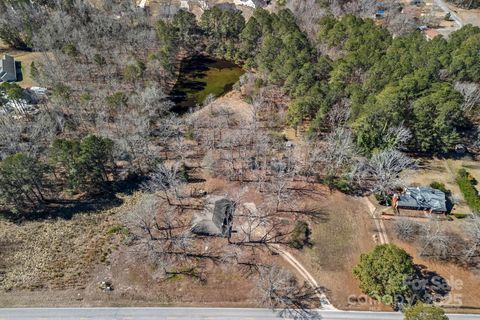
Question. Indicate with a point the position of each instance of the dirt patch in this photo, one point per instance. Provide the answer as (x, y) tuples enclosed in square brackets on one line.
[(232, 103)]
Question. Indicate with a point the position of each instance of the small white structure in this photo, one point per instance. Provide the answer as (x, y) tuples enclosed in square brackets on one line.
[(142, 4), (203, 4), (248, 3), (39, 91), (184, 4)]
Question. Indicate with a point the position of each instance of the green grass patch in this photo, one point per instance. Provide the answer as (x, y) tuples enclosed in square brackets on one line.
[(118, 229), (467, 185), (440, 186)]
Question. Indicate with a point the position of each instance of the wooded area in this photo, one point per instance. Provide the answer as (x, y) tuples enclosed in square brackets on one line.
[(358, 98)]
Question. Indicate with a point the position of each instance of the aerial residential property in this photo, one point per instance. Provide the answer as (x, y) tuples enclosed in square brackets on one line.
[(8, 70), (240, 159)]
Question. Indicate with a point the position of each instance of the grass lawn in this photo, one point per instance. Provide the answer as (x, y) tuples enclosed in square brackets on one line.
[(25, 58)]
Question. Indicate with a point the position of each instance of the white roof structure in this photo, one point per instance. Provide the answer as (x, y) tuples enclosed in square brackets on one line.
[(248, 3)]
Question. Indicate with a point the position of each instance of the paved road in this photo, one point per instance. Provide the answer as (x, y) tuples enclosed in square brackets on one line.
[(186, 313), (443, 5)]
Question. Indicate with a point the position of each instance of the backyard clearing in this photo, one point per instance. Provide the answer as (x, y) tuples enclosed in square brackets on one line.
[(444, 171), (25, 58)]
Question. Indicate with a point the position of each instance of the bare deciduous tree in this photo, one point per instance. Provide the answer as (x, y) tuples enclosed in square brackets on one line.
[(166, 179), (382, 171), (435, 242), (406, 229), (143, 215), (471, 94), (279, 290)]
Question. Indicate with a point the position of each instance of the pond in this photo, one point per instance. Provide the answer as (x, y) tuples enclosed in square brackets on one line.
[(201, 76)]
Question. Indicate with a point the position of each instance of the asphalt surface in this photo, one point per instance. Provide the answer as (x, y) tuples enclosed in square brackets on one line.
[(443, 5), (187, 313)]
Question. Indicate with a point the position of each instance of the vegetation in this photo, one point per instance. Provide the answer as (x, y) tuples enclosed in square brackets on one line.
[(467, 185), (86, 164), (22, 182), (384, 271), (108, 121), (468, 4), (377, 76), (300, 235), (440, 186), (422, 311)]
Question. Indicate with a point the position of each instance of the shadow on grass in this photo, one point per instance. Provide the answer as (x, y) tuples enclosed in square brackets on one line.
[(428, 286), (67, 208), (18, 69)]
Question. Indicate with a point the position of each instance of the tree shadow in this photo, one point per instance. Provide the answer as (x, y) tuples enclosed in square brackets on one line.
[(67, 208), (18, 70), (302, 303), (317, 215), (428, 286)]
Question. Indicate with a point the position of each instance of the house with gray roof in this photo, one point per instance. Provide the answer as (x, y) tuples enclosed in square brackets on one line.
[(8, 70), (216, 219), (421, 198)]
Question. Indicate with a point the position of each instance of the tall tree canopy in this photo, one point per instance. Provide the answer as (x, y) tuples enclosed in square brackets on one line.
[(384, 271)]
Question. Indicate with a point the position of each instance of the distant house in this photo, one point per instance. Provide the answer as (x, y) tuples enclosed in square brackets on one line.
[(8, 71), (216, 219), (421, 198), (380, 14), (248, 3), (430, 33)]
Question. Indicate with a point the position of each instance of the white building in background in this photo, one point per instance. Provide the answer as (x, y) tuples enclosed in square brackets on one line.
[(184, 5), (248, 3)]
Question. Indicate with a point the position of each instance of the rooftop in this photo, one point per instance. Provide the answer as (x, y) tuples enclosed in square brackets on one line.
[(423, 198), (8, 71)]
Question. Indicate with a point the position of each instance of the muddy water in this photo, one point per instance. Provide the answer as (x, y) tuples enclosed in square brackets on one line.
[(201, 76)]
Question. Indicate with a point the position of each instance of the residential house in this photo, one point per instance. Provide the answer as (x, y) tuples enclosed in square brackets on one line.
[(216, 219), (421, 198), (8, 70), (431, 33)]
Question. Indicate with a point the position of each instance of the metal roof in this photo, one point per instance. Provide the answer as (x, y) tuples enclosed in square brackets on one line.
[(421, 198), (8, 70)]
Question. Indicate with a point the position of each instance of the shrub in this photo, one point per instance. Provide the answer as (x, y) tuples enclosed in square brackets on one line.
[(439, 186), (383, 199), (338, 183), (118, 229), (183, 173), (300, 235), (467, 185)]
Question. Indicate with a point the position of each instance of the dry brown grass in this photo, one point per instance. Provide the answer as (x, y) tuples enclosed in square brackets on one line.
[(56, 254), (26, 58), (344, 232)]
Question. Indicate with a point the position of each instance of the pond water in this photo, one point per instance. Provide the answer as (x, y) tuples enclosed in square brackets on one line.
[(201, 76)]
